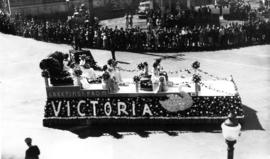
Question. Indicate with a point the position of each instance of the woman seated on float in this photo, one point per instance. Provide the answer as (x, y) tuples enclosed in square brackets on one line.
[(88, 73)]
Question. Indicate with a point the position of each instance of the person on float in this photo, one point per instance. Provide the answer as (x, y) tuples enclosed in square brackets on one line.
[(105, 68), (109, 83), (60, 57), (162, 86), (88, 73), (82, 60), (76, 73), (156, 69), (140, 69), (114, 72), (155, 75), (66, 63), (145, 69), (55, 66)]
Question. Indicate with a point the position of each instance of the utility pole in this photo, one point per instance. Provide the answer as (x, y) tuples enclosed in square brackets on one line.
[(91, 11), (9, 10)]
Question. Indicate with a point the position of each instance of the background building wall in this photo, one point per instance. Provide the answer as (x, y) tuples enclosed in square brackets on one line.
[(171, 4), (40, 7)]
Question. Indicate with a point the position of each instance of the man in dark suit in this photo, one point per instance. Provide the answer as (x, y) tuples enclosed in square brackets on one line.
[(33, 151)]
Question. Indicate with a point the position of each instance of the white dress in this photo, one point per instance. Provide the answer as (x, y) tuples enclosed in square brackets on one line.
[(155, 80), (89, 74), (117, 75), (82, 62)]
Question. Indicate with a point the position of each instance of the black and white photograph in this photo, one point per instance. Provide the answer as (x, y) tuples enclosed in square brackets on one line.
[(136, 79)]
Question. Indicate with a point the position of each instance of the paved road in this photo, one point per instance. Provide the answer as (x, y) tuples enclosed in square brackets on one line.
[(22, 97)]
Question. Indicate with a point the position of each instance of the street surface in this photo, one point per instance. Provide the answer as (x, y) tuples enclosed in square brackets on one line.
[(23, 96)]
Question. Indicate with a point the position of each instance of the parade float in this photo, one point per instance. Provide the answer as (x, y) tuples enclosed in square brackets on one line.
[(185, 98)]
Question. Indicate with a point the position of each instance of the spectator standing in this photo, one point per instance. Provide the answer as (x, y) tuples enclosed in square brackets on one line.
[(33, 151)]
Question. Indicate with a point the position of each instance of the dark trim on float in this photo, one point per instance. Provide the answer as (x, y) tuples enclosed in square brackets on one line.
[(135, 121)]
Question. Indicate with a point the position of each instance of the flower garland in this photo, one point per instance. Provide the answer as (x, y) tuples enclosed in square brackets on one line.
[(214, 89), (127, 70), (213, 76), (179, 71)]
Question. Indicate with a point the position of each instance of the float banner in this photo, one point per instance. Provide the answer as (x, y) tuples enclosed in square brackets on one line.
[(172, 105)]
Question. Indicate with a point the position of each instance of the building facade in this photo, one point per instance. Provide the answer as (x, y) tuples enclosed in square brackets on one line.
[(40, 7), (185, 4)]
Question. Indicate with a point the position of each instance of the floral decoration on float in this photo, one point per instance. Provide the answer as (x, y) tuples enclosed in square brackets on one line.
[(177, 102), (136, 100)]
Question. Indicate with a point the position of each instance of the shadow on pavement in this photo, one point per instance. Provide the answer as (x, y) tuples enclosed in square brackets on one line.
[(178, 56), (118, 131), (251, 121)]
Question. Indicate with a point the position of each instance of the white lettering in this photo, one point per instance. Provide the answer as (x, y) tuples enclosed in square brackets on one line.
[(107, 108), (56, 111), (122, 108), (133, 109), (94, 107), (79, 106), (146, 109), (68, 108)]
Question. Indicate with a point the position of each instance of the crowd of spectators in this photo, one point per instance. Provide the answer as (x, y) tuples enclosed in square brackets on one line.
[(174, 38), (181, 17), (239, 10), (182, 38), (6, 26)]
